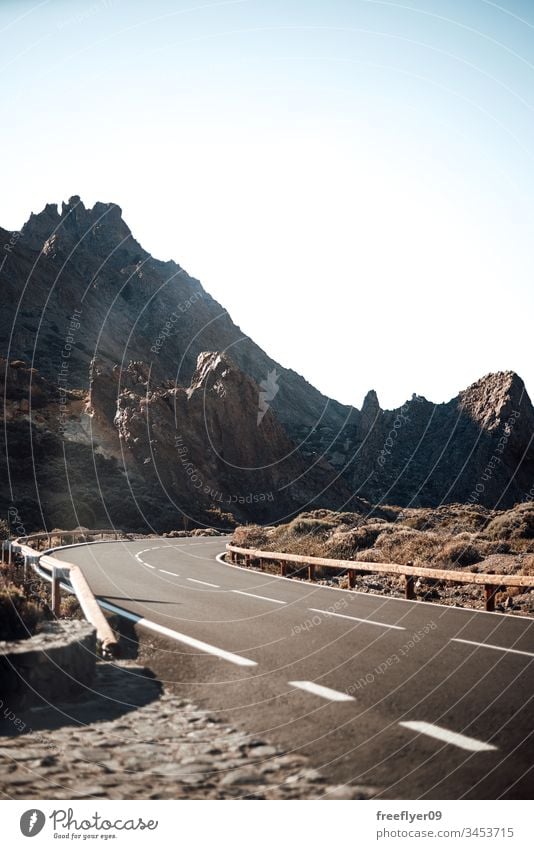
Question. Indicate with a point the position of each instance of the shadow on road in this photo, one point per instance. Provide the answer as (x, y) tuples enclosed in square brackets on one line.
[(118, 689)]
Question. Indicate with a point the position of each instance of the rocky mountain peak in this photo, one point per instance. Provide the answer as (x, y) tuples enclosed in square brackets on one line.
[(493, 399), (370, 409), (102, 226)]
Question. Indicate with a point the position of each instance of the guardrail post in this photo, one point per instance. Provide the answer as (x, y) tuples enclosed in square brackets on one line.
[(311, 572), (490, 592), (56, 595), (283, 568), (9, 552), (409, 591), (352, 578), (58, 574), (247, 561)]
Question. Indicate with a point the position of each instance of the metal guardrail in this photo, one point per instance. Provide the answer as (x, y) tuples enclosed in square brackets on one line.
[(492, 583), (67, 575)]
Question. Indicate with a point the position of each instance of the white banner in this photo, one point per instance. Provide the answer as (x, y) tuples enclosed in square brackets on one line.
[(256, 825)]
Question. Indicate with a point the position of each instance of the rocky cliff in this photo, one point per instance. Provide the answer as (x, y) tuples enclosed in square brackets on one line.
[(132, 397)]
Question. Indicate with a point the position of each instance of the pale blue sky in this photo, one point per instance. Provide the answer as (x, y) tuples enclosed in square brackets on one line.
[(352, 179)]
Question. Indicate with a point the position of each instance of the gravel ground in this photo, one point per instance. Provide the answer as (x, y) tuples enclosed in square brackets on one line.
[(131, 740)]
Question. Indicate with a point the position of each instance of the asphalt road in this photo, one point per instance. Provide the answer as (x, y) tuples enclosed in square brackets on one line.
[(417, 700)]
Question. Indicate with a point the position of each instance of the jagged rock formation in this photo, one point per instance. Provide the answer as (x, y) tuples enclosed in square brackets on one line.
[(477, 448), (124, 380)]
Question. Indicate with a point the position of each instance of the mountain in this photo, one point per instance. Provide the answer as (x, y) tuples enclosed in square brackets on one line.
[(132, 397)]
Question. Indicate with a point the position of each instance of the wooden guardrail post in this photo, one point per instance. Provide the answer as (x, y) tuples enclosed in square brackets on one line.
[(311, 572), (490, 591), (56, 596), (409, 591), (352, 578), (59, 574), (283, 568)]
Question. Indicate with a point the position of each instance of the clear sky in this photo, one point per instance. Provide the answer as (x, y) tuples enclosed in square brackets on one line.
[(352, 179)]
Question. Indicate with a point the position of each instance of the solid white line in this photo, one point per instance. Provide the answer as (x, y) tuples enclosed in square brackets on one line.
[(357, 619), (263, 597), (490, 646), (206, 583), (452, 737), (181, 638), (323, 692), (174, 574)]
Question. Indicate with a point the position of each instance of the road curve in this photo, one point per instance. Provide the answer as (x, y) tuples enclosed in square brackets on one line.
[(417, 700)]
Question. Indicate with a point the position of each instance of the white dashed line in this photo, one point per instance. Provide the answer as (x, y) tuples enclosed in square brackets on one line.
[(323, 692), (181, 638), (357, 619), (262, 597), (174, 574), (206, 583), (490, 646), (470, 744)]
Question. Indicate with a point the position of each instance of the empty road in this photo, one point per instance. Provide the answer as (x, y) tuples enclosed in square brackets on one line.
[(417, 700)]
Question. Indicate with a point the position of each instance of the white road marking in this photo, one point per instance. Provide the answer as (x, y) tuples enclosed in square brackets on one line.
[(138, 558), (490, 646), (323, 692), (206, 583), (179, 637), (263, 597), (357, 619), (452, 737), (174, 574)]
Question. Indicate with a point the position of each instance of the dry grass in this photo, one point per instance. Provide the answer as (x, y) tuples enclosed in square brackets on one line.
[(454, 536)]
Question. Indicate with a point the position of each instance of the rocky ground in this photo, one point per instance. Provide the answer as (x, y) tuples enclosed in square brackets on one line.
[(129, 739)]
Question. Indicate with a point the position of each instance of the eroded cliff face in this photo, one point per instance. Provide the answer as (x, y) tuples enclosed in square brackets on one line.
[(147, 455), (132, 397)]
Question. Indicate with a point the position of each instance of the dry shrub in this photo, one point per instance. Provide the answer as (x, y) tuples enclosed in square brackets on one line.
[(453, 518), (250, 536), (303, 525), (461, 551), (221, 518), (18, 616), (70, 608), (346, 544), (405, 545), (515, 525)]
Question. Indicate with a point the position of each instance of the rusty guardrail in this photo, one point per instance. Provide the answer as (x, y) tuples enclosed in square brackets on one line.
[(492, 583), (62, 571)]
